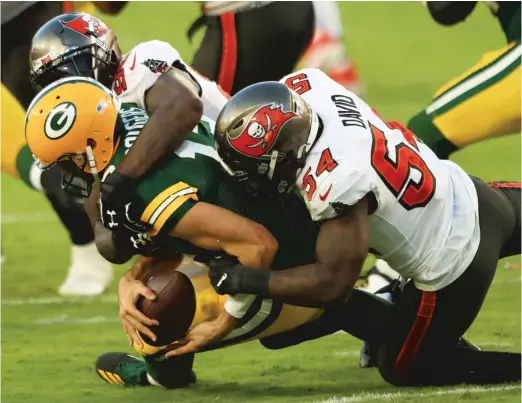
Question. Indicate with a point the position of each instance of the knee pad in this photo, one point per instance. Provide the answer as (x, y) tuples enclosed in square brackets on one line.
[(386, 358)]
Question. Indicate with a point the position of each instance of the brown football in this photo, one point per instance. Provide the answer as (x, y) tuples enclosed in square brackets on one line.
[(174, 307)]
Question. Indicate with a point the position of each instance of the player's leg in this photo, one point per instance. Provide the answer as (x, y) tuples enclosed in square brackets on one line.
[(426, 351), (351, 317), (328, 50), (253, 45), (482, 103), (89, 273)]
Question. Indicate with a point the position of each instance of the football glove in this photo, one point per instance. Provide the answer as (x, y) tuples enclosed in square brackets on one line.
[(116, 209)]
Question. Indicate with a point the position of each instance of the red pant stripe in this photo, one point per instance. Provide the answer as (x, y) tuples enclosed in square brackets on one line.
[(227, 70), (417, 333)]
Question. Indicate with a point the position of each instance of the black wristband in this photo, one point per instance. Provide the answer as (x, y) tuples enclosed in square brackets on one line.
[(254, 281)]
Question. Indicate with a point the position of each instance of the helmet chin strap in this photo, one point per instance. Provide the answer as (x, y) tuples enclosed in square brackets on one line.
[(92, 163), (272, 165)]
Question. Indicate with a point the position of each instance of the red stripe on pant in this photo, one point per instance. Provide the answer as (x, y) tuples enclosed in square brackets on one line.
[(227, 69), (416, 334), (67, 7), (509, 185)]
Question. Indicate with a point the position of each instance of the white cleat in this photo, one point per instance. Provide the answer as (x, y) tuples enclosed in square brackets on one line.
[(89, 274)]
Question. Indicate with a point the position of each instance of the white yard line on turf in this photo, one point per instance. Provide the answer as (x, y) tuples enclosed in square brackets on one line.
[(495, 344), (70, 320), (39, 217), (348, 353), (106, 299), (368, 397)]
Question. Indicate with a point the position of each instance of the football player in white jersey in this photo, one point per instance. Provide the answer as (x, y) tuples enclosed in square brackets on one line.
[(152, 75), (375, 187)]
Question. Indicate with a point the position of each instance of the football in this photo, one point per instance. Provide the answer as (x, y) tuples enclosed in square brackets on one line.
[(174, 306)]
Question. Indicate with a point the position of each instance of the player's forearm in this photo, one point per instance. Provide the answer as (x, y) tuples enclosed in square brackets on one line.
[(314, 285), (176, 110)]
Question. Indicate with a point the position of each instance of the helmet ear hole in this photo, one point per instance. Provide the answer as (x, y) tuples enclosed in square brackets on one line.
[(91, 143), (238, 125)]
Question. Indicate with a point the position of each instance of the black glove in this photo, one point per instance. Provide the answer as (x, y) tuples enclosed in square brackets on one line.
[(234, 278), (133, 243), (225, 277), (116, 209)]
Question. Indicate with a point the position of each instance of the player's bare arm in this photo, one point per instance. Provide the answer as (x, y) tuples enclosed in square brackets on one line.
[(342, 246), (215, 228), (176, 109)]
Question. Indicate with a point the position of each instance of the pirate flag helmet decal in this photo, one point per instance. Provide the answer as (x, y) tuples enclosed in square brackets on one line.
[(262, 132), (74, 44)]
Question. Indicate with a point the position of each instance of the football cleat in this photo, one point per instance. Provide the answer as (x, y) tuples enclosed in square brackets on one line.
[(121, 369)]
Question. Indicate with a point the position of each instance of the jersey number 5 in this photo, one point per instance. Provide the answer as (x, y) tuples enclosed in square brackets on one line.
[(398, 175), (299, 83)]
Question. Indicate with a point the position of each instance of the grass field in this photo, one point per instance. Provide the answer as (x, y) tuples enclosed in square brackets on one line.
[(49, 344)]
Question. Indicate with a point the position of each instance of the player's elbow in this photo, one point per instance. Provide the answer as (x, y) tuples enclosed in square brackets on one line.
[(263, 248), (186, 109)]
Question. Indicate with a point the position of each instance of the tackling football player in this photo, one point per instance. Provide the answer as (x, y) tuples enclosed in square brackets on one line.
[(152, 76), (80, 126), (372, 185)]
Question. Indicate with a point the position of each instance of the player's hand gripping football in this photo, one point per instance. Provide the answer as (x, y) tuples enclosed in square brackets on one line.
[(129, 290), (203, 334), (115, 204)]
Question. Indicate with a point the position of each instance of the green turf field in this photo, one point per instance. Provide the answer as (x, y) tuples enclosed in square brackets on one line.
[(49, 344)]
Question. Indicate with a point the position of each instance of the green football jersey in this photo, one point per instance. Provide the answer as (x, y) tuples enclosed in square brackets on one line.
[(194, 173)]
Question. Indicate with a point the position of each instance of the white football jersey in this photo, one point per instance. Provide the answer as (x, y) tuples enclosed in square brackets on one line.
[(426, 223), (142, 66)]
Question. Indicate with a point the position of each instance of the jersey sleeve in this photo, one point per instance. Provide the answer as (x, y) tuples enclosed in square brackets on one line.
[(165, 206), (237, 305), (339, 189), (140, 69)]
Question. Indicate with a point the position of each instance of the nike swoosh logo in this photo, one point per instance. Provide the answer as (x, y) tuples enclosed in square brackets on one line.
[(325, 194), (133, 63), (223, 278)]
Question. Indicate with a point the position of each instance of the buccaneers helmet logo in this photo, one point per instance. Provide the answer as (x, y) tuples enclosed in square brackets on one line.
[(87, 26), (262, 130)]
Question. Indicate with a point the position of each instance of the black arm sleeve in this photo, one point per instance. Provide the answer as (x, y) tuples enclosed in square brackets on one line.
[(450, 12)]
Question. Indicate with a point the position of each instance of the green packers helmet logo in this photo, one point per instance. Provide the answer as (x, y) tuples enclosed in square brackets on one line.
[(60, 120)]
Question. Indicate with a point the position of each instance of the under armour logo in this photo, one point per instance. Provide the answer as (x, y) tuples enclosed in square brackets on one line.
[(127, 207), (112, 214), (139, 240), (223, 278)]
